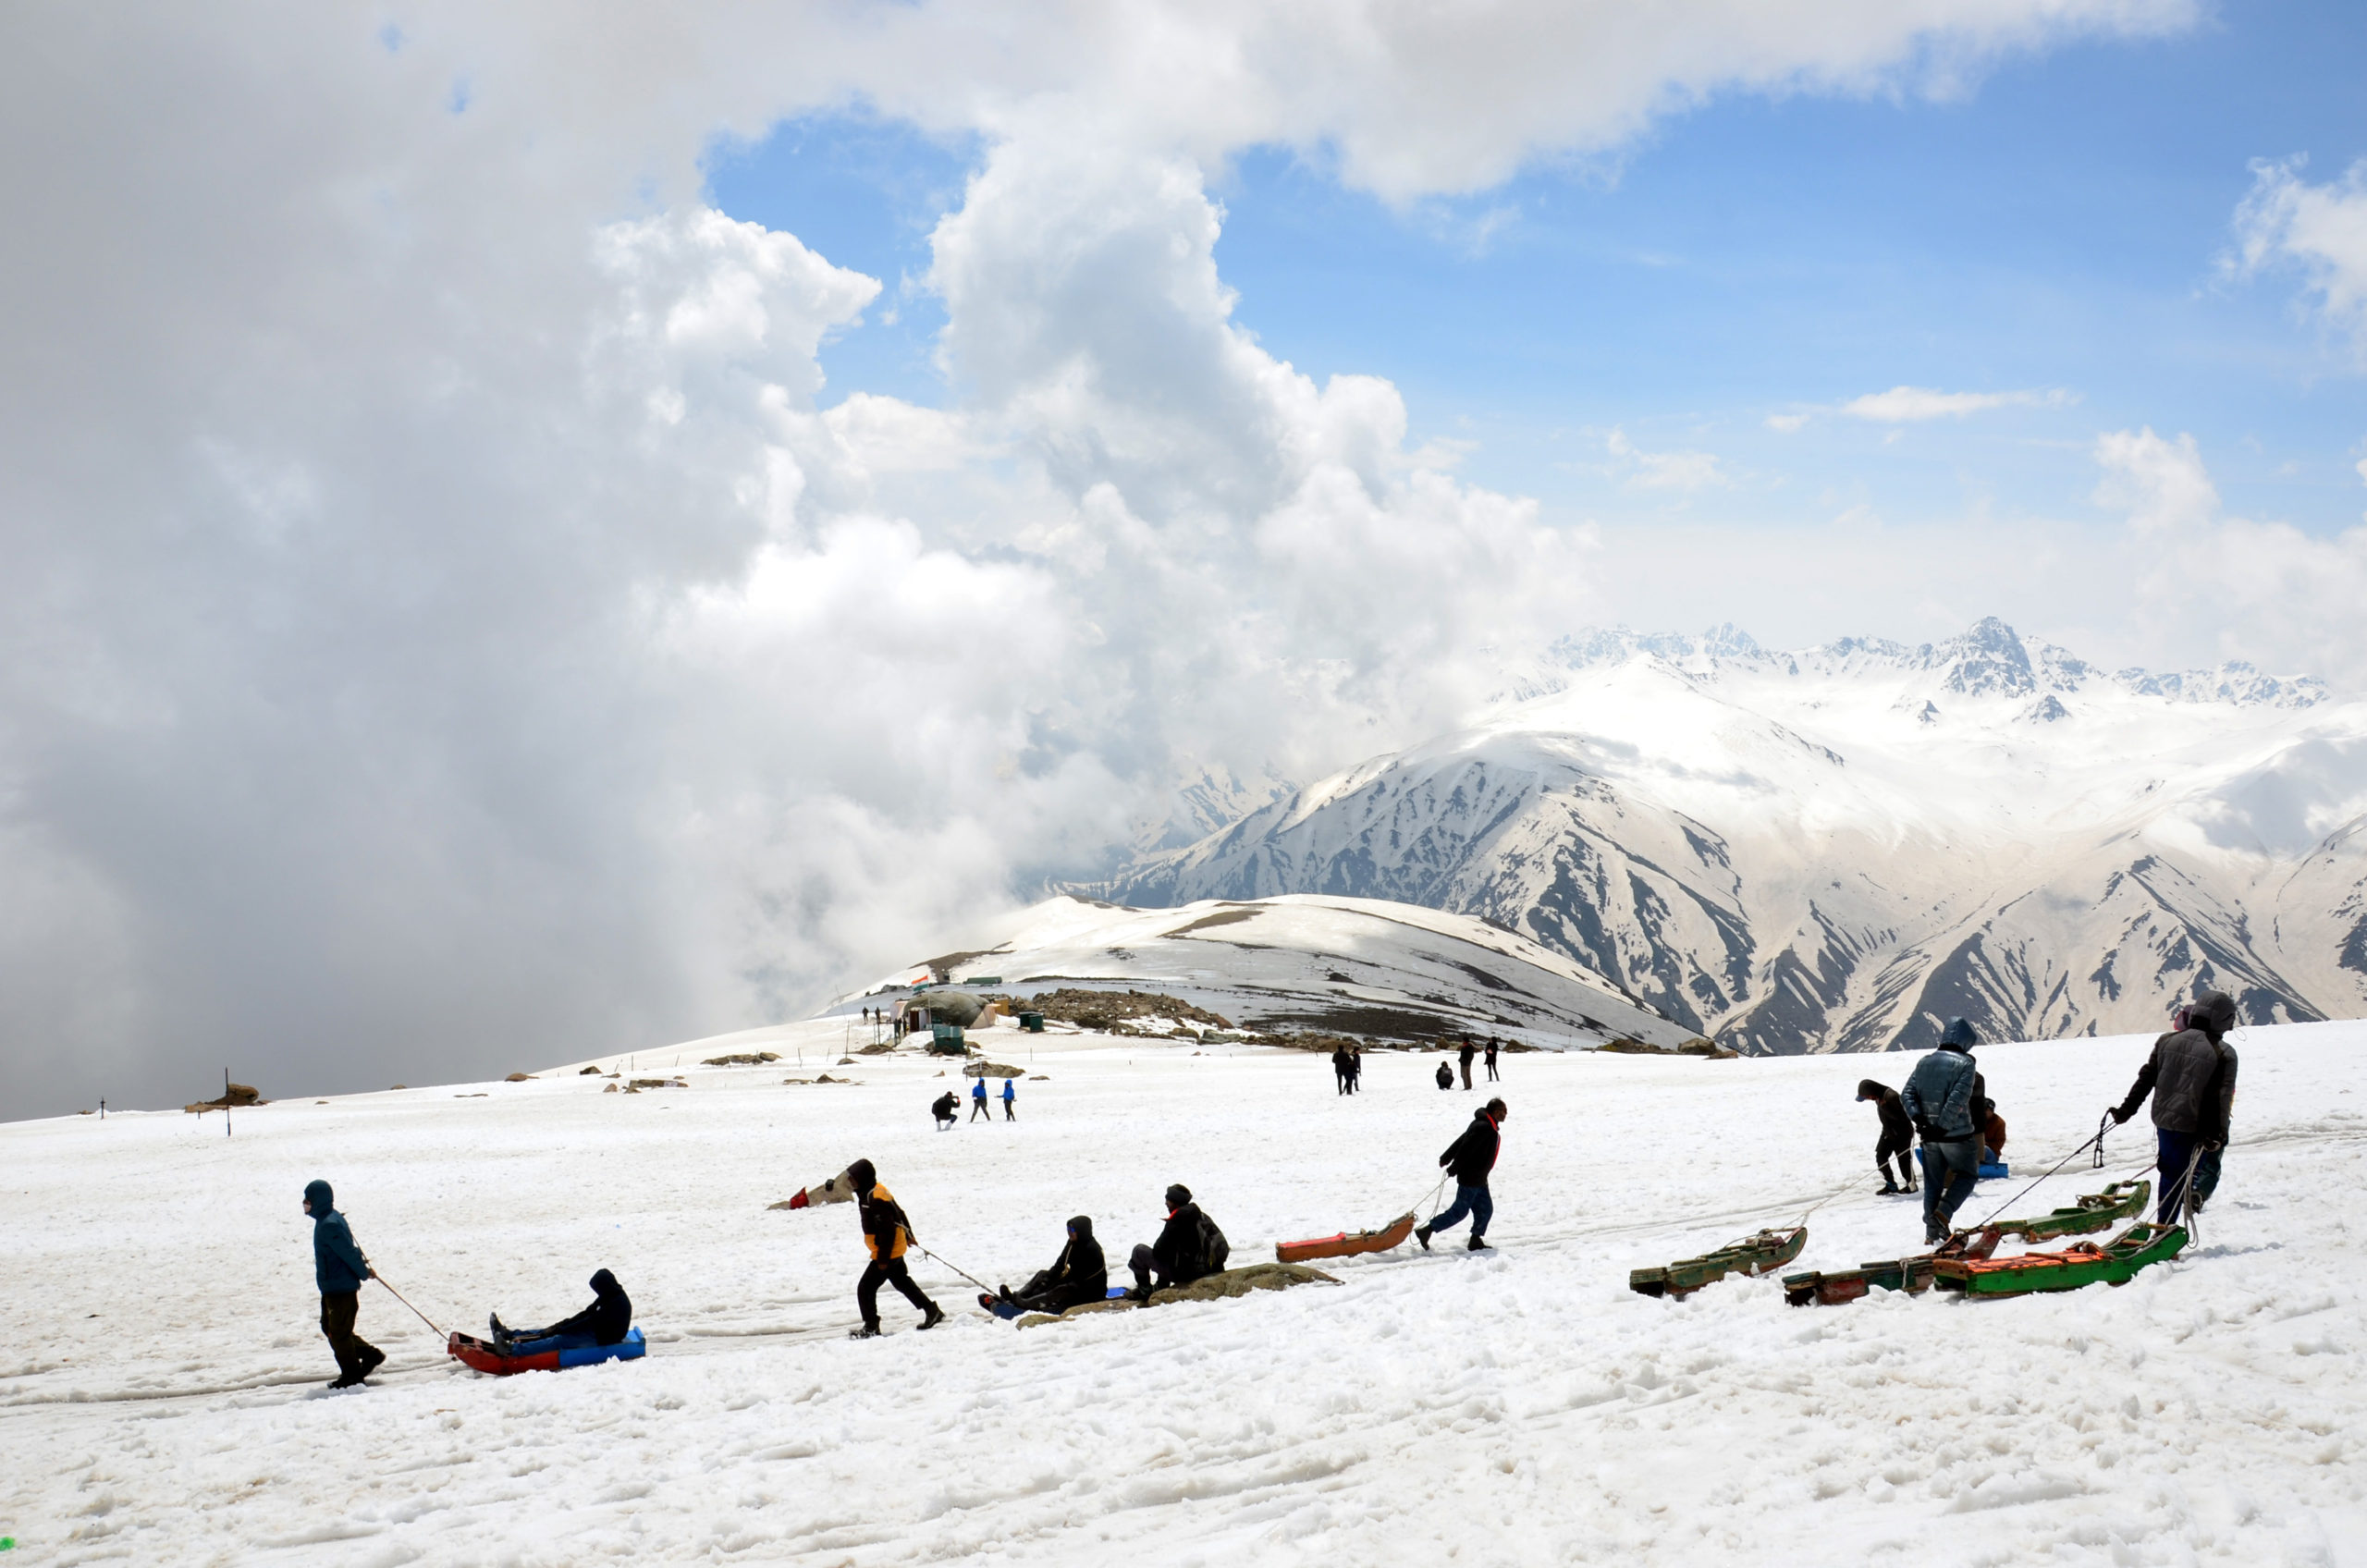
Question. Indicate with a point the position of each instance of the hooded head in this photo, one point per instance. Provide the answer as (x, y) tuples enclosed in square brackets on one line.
[(862, 1177), (604, 1284), (1177, 1196), (1870, 1090), (323, 1201), (2214, 1012), (1958, 1035), (1081, 1227)]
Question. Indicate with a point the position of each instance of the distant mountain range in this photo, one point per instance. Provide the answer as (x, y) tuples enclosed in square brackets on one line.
[(1840, 848)]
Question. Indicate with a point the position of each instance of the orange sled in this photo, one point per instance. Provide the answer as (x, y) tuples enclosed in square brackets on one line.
[(1348, 1246)]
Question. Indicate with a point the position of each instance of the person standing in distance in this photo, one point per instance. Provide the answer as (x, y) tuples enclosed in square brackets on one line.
[(338, 1269), (1469, 1159), (1492, 1048), (1469, 1051)]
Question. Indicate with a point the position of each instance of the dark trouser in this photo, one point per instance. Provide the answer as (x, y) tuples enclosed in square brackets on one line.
[(1895, 1148), (355, 1356), (866, 1289), (1042, 1295), (1472, 1201), (978, 1108), (1010, 1110), (2173, 1151), (1950, 1169), (1145, 1263), (2206, 1176), (1355, 1079), (536, 1345), (1343, 1081), (1491, 1069), (1466, 1073)]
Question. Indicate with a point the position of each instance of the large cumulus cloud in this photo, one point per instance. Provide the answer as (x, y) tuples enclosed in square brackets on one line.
[(443, 629)]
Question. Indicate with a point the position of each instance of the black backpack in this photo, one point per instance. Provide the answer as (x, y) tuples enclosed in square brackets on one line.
[(1214, 1249)]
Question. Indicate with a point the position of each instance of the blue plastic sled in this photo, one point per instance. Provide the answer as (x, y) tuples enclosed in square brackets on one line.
[(481, 1354)]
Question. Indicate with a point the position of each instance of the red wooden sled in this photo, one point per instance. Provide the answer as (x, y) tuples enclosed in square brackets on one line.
[(1346, 1245)]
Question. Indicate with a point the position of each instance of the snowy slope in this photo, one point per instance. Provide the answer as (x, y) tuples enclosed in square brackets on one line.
[(160, 1399), (1305, 963), (1840, 848)]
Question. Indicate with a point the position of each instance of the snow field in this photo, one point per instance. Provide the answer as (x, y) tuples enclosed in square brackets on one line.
[(1515, 1407)]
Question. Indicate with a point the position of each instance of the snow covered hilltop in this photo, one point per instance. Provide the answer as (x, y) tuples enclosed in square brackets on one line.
[(1307, 964), (1839, 849)]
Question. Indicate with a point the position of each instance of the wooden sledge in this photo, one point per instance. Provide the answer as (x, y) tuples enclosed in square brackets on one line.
[(1916, 1274), (1762, 1254), (2081, 1263), (1345, 1244)]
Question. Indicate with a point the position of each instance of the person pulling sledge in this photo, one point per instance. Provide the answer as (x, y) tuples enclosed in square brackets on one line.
[(1939, 1099), (602, 1323), (886, 1231), (338, 1269), (1079, 1275), (1897, 1141), (945, 1108), (1189, 1248), (979, 1099), (1469, 1159), (2191, 1077)]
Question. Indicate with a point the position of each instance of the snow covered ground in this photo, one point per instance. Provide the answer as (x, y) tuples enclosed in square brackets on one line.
[(160, 1398)]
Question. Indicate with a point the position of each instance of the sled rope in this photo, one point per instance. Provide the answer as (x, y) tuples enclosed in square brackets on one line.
[(972, 1278), (414, 1311), (2097, 1142)]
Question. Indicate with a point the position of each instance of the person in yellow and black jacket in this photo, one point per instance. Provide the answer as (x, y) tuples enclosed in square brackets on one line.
[(887, 1232)]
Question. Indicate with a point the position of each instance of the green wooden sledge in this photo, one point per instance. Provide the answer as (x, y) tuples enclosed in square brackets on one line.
[(1762, 1254), (2082, 1263)]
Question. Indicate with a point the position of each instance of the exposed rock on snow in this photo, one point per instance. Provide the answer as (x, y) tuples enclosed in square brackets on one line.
[(1839, 848)]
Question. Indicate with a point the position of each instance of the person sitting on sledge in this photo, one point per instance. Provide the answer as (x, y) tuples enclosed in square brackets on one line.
[(1079, 1275), (1468, 1159), (887, 1233), (602, 1323), (1992, 1138), (2191, 1077), (1190, 1248), (944, 1109), (1897, 1140), (1939, 1099)]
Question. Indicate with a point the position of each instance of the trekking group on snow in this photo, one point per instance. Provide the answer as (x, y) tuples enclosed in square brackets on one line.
[(2190, 1076)]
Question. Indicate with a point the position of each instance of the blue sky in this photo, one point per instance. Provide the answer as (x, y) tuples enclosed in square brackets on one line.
[(2058, 229)]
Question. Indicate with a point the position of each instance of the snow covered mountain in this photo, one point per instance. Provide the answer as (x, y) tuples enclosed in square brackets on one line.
[(1310, 964), (1840, 848)]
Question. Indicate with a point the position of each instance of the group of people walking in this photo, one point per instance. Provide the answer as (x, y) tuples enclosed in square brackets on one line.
[(947, 1104), (2191, 1075)]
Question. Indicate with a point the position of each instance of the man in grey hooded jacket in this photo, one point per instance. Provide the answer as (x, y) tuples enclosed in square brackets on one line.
[(1938, 1099), (339, 1270), (2191, 1079)]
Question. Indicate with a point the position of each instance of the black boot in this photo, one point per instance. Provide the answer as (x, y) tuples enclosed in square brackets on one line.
[(935, 1316), (1889, 1186), (1479, 1242), (868, 1331), (1422, 1234)]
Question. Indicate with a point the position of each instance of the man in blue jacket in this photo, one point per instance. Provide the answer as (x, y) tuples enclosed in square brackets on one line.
[(1938, 1099), (338, 1269)]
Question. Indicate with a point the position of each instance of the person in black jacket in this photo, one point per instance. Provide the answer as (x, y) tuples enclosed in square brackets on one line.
[(944, 1109), (2191, 1077), (602, 1323), (1469, 1158), (1189, 1248), (1494, 1046), (1468, 1052), (1446, 1076), (1079, 1275), (886, 1231), (1340, 1069), (1897, 1140)]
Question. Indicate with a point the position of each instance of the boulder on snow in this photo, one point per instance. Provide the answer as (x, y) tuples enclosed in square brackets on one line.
[(991, 1069), (1226, 1286), (520, 1078), (744, 1058), (236, 1094), (587, 1073)]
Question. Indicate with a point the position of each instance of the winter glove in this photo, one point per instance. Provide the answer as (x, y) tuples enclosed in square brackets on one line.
[(2119, 1116)]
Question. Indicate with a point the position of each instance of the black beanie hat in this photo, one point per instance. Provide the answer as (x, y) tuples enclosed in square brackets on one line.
[(1177, 1195)]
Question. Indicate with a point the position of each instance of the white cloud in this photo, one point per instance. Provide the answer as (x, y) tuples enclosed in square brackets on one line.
[(441, 623), (2318, 230), (1682, 471), (1908, 404), (1784, 424), (2160, 485)]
